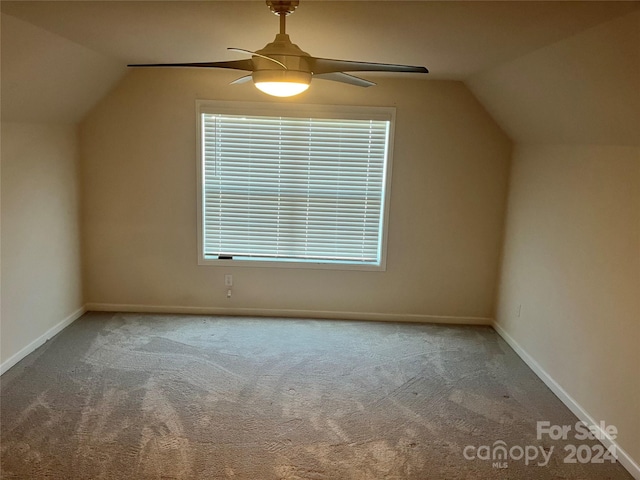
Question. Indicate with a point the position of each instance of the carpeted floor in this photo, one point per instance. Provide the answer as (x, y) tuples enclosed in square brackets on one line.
[(131, 396)]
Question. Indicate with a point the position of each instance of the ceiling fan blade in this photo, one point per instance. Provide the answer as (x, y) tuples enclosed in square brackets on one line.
[(234, 64), (327, 65), (240, 80), (345, 78)]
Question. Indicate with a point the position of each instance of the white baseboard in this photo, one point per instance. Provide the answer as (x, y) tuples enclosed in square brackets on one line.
[(623, 457), (260, 312), (52, 332)]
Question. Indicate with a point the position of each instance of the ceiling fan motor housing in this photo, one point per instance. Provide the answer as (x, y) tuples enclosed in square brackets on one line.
[(298, 62)]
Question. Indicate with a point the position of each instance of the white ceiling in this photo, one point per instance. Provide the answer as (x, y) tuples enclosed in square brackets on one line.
[(74, 51)]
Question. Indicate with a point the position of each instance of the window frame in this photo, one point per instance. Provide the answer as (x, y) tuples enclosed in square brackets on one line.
[(293, 110)]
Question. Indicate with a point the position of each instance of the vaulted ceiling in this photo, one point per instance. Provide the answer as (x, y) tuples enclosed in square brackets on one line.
[(553, 72)]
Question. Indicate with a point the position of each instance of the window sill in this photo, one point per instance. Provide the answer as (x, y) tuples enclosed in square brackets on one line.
[(295, 264)]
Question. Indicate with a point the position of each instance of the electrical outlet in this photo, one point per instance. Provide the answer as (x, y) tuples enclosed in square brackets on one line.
[(228, 280)]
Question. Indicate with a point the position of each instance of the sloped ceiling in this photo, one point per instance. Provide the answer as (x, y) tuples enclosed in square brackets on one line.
[(582, 90), (46, 78), (65, 55)]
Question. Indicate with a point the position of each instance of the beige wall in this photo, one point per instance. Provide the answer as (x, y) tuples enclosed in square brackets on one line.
[(572, 262), (41, 274), (139, 224)]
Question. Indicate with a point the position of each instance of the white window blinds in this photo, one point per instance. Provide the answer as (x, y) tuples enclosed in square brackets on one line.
[(293, 188)]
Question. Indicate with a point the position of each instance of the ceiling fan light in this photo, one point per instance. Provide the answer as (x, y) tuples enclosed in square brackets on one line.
[(282, 89), (281, 83)]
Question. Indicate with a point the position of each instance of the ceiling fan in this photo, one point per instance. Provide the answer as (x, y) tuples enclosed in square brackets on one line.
[(282, 69)]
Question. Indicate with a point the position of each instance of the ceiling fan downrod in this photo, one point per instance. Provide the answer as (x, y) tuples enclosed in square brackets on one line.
[(282, 8)]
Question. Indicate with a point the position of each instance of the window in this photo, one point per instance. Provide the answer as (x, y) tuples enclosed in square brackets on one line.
[(299, 185)]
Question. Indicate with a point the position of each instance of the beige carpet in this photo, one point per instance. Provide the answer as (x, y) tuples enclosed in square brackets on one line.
[(129, 396)]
